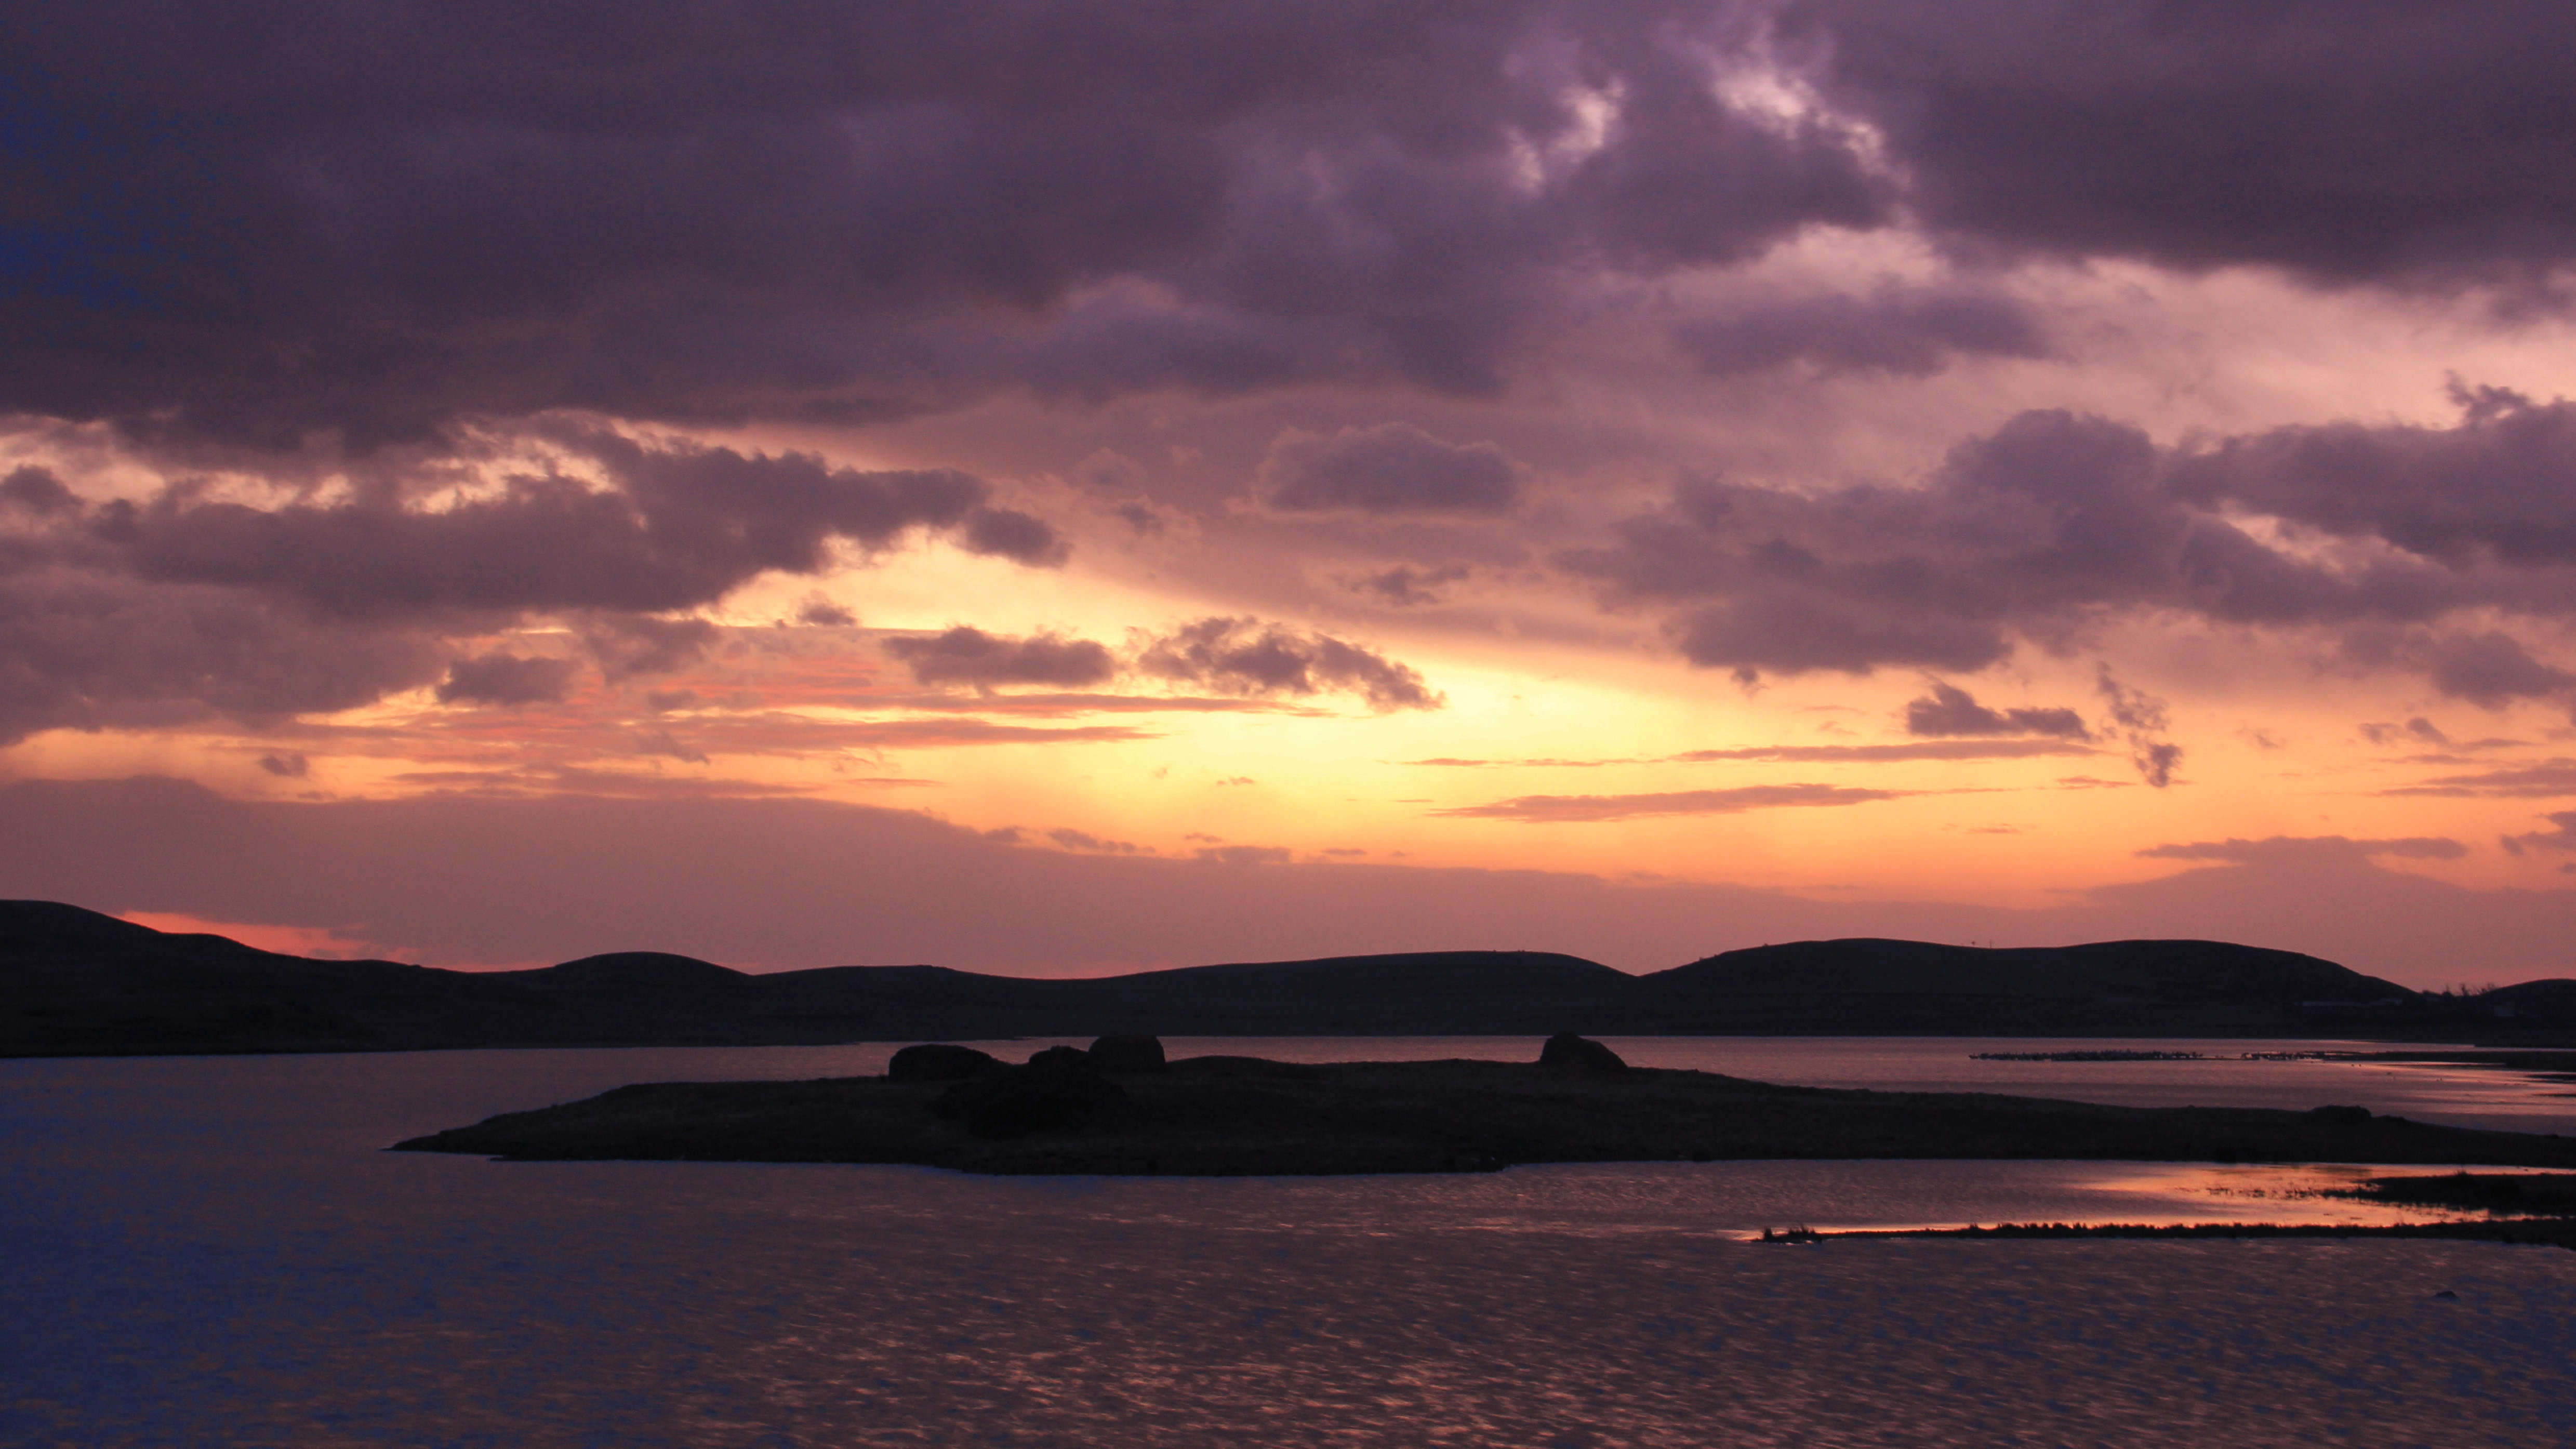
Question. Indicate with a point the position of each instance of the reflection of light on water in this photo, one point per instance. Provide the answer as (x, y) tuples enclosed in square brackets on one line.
[(2286, 1193)]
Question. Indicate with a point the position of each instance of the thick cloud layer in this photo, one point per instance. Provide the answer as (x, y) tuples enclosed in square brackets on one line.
[(379, 218), (2345, 140), (189, 604), (2056, 522)]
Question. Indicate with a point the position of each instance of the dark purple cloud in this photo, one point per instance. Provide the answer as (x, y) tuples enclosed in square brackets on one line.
[(1246, 656), (822, 613), (506, 679), (82, 651), (2492, 489), (1904, 333), (683, 526), (2344, 140), (1390, 468), (2055, 522), (1950, 710), (970, 656), (1406, 587), (376, 219)]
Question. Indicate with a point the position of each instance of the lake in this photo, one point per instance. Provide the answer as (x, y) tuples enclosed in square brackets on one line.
[(215, 1251)]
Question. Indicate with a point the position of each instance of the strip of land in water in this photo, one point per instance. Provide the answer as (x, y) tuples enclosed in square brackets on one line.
[(2550, 1232), (1232, 1116)]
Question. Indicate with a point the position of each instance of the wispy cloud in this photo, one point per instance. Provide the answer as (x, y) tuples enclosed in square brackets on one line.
[(1573, 809), (2540, 780)]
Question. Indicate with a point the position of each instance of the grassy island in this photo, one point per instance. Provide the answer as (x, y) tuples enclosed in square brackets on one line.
[(1120, 1109)]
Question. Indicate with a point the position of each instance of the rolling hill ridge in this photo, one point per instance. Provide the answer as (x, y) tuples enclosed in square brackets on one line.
[(75, 982)]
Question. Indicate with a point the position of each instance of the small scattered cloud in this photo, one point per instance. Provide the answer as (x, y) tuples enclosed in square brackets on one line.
[(1406, 587), (1390, 468), (820, 612), (1090, 844), (970, 656), (1243, 854), (1011, 534), (1246, 656), (506, 679), (628, 645), (286, 766), (2416, 731), (1950, 710), (2143, 721)]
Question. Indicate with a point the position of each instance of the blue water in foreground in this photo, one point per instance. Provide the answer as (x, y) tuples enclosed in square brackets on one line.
[(215, 1251)]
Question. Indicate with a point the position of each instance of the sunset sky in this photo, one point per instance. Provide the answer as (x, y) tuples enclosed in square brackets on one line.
[(1068, 487)]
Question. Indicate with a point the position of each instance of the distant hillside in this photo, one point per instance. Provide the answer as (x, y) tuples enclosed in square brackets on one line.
[(74, 982), (2113, 988)]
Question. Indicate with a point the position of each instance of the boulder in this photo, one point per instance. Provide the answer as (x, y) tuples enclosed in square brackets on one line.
[(1569, 1052), (1058, 1088), (940, 1062), (1129, 1054)]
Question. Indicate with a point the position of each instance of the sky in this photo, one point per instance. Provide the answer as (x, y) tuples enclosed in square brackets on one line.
[(1058, 488)]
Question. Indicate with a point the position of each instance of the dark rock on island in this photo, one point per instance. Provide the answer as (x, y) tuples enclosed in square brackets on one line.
[(1237, 1115), (1568, 1052), (940, 1062), (1059, 1088), (1128, 1054)]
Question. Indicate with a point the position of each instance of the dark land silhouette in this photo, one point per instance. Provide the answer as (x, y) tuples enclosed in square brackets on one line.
[(1071, 1111), (81, 983)]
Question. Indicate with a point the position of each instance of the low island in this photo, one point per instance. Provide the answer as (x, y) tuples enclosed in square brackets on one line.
[(1120, 1108)]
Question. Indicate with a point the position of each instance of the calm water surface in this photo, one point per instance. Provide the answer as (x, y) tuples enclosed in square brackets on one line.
[(214, 1251)]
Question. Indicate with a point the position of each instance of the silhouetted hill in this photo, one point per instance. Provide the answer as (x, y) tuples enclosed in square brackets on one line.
[(74, 982), (2182, 988)]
